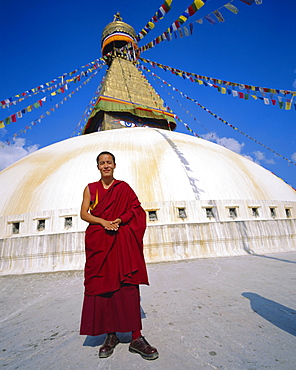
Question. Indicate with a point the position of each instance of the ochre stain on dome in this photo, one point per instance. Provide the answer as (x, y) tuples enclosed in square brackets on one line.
[(42, 167), (54, 177)]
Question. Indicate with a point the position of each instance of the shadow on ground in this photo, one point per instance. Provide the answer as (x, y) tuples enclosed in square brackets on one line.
[(281, 316)]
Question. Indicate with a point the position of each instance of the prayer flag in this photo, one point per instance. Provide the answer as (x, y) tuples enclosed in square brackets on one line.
[(288, 105), (249, 2), (183, 18), (219, 16), (151, 25), (210, 19), (186, 32), (231, 7)]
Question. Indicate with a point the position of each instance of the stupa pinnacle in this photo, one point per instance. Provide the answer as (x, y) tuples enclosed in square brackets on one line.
[(126, 98)]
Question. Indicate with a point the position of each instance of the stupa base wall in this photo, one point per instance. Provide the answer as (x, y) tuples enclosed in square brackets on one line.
[(163, 242)]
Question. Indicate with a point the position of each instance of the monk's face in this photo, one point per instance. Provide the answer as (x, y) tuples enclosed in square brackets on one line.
[(106, 165)]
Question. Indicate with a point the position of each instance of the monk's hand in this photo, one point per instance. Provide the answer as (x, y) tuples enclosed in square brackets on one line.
[(117, 221), (109, 225), (115, 224)]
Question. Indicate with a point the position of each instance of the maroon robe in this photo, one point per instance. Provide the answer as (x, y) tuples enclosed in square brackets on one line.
[(115, 264)]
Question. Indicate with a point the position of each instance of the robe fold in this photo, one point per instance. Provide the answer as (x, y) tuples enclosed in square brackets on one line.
[(115, 264)]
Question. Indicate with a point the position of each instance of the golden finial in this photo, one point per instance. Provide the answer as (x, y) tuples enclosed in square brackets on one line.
[(117, 17)]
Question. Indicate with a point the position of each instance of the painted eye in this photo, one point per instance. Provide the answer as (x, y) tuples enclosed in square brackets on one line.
[(127, 124)]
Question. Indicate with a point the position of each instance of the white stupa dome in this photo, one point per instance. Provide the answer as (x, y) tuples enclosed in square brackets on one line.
[(169, 171), (159, 165)]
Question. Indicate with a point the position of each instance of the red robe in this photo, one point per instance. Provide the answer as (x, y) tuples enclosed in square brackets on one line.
[(115, 257), (115, 263)]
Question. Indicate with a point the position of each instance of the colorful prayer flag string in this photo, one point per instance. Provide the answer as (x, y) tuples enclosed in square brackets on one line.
[(176, 30), (88, 110), (60, 89), (216, 116), (227, 87), (49, 111), (166, 35), (43, 87), (161, 12)]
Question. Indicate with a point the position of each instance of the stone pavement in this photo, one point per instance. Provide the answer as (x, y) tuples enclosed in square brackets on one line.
[(218, 313)]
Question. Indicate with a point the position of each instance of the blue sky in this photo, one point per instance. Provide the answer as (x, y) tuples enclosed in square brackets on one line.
[(41, 40)]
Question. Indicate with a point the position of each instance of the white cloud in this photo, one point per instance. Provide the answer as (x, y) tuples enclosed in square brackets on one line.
[(237, 147), (227, 142), (15, 151), (260, 157)]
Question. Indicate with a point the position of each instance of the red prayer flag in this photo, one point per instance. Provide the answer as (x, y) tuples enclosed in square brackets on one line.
[(249, 2), (191, 10)]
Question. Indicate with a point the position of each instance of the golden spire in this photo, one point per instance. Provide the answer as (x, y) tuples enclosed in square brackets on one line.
[(126, 98)]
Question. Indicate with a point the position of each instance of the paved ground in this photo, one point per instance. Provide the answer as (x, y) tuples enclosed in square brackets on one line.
[(220, 313)]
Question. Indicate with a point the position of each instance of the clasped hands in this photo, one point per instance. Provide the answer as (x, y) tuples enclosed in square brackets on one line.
[(111, 225)]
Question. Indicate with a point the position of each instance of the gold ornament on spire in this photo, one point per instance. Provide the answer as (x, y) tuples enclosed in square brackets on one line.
[(117, 17)]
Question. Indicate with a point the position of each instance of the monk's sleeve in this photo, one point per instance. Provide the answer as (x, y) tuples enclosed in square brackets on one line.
[(133, 209)]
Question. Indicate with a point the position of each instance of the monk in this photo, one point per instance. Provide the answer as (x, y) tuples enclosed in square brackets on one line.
[(115, 264)]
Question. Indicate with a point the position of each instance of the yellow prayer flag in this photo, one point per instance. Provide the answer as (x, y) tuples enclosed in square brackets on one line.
[(151, 25), (182, 18), (53, 93), (198, 4), (288, 106), (223, 90), (2, 124), (29, 108)]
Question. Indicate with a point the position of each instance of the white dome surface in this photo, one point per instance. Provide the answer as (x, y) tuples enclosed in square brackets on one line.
[(159, 165)]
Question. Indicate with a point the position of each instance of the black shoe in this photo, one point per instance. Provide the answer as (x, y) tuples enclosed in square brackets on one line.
[(108, 346), (141, 346)]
